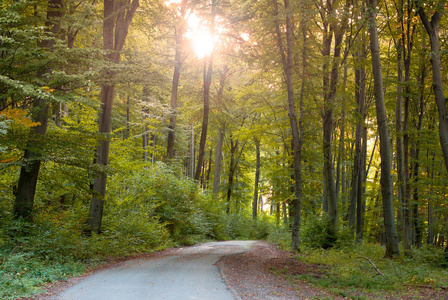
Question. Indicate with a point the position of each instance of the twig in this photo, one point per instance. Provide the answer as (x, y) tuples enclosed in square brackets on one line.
[(373, 265)]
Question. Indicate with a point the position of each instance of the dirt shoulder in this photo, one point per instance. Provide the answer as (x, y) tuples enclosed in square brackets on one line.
[(262, 273)]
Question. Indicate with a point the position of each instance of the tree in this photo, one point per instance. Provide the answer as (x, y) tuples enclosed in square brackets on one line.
[(432, 28), (257, 179), (179, 38), (208, 71), (287, 62), (29, 172), (331, 27), (117, 19), (386, 178)]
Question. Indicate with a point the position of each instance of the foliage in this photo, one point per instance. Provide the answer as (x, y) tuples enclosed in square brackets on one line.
[(316, 234), (348, 270), (280, 236)]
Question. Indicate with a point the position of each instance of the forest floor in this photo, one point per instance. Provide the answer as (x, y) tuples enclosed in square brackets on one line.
[(266, 272)]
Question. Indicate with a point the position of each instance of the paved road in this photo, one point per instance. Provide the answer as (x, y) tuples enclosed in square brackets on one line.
[(187, 273)]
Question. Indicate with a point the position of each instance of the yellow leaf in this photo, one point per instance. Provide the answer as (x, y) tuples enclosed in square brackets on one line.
[(18, 116)]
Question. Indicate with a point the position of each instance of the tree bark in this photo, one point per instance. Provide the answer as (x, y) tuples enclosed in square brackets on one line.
[(257, 179), (287, 61), (220, 138), (207, 82), (432, 28), (386, 178), (330, 82), (29, 172), (232, 169), (117, 18), (206, 95), (175, 84), (218, 161)]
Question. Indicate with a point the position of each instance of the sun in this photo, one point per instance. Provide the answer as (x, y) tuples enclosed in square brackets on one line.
[(203, 41), (203, 44)]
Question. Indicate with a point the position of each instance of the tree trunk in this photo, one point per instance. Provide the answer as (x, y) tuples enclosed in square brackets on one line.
[(287, 56), (330, 82), (361, 200), (117, 18), (218, 161), (192, 157), (432, 28), (386, 178), (257, 178), (417, 227), (357, 158), (340, 172), (399, 134), (232, 169), (175, 84), (29, 172), (207, 83), (220, 138)]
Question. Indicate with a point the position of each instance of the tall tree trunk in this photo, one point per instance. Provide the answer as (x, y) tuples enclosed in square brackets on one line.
[(232, 169), (257, 179), (206, 95), (361, 200), (145, 142), (330, 82), (407, 36), (417, 226), (220, 138), (386, 178), (176, 76), (340, 172), (432, 28), (207, 82), (399, 129), (29, 172), (287, 61), (218, 160), (209, 169), (192, 151), (117, 18), (357, 158)]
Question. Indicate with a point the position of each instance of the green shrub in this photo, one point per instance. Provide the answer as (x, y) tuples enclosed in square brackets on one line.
[(317, 233), (159, 192), (280, 236)]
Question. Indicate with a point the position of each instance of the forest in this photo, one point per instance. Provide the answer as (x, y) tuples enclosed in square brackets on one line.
[(131, 126)]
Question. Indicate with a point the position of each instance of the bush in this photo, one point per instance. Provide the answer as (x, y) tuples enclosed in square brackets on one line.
[(316, 233), (161, 194), (280, 236)]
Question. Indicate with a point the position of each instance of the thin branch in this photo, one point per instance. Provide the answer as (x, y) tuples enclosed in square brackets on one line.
[(373, 265)]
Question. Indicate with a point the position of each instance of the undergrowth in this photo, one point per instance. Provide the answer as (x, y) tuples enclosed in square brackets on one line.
[(348, 271), (148, 208)]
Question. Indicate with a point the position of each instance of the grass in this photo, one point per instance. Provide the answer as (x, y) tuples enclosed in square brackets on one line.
[(348, 272), (22, 274)]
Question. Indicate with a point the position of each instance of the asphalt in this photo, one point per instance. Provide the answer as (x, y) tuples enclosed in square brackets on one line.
[(187, 273)]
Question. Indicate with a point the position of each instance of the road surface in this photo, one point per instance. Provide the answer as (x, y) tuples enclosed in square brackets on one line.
[(187, 273)]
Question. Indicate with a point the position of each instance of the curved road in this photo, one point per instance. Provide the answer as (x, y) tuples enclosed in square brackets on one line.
[(186, 273)]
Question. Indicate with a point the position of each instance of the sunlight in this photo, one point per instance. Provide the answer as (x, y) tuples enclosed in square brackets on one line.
[(202, 44), (202, 40)]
